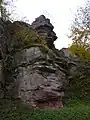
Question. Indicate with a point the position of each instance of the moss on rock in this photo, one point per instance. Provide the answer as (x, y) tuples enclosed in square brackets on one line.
[(24, 37)]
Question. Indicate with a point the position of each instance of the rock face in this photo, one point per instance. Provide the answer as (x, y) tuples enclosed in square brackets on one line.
[(41, 82), (78, 74), (31, 71), (65, 52), (44, 28)]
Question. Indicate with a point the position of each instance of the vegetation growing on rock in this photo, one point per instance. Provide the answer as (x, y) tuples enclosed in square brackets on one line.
[(24, 37), (36, 73)]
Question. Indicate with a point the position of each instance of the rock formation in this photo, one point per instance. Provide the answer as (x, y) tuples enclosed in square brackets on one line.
[(31, 69), (44, 28)]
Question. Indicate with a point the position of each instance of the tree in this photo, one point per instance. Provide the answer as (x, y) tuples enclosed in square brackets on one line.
[(80, 29), (80, 33), (4, 16), (4, 12)]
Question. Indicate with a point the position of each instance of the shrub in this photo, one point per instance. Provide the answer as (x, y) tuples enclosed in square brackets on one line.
[(24, 37), (81, 52)]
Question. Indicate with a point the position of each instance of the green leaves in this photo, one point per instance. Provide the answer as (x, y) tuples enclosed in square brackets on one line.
[(80, 29), (81, 52), (5, 13), (74, 110)]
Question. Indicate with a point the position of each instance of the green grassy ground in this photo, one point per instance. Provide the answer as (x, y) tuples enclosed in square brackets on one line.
[(74, 109)]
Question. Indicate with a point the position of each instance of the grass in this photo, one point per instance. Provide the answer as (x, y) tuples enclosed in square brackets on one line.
[(74, 109)]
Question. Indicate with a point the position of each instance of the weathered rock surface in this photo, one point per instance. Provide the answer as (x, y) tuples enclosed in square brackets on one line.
[(31, 71), (39, 81), (44, 28), (42, 83)]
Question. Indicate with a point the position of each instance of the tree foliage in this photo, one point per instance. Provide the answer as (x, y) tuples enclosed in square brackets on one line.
[(4, 13), (80, 29), (81, 52), (80, 32)]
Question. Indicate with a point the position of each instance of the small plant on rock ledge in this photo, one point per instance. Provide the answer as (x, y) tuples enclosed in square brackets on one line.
[(24, 37)]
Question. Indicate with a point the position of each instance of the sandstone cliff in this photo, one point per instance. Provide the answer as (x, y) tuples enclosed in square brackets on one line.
[(31, 68)]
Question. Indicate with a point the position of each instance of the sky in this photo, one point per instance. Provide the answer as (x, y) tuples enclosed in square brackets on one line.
[(60, 13)]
